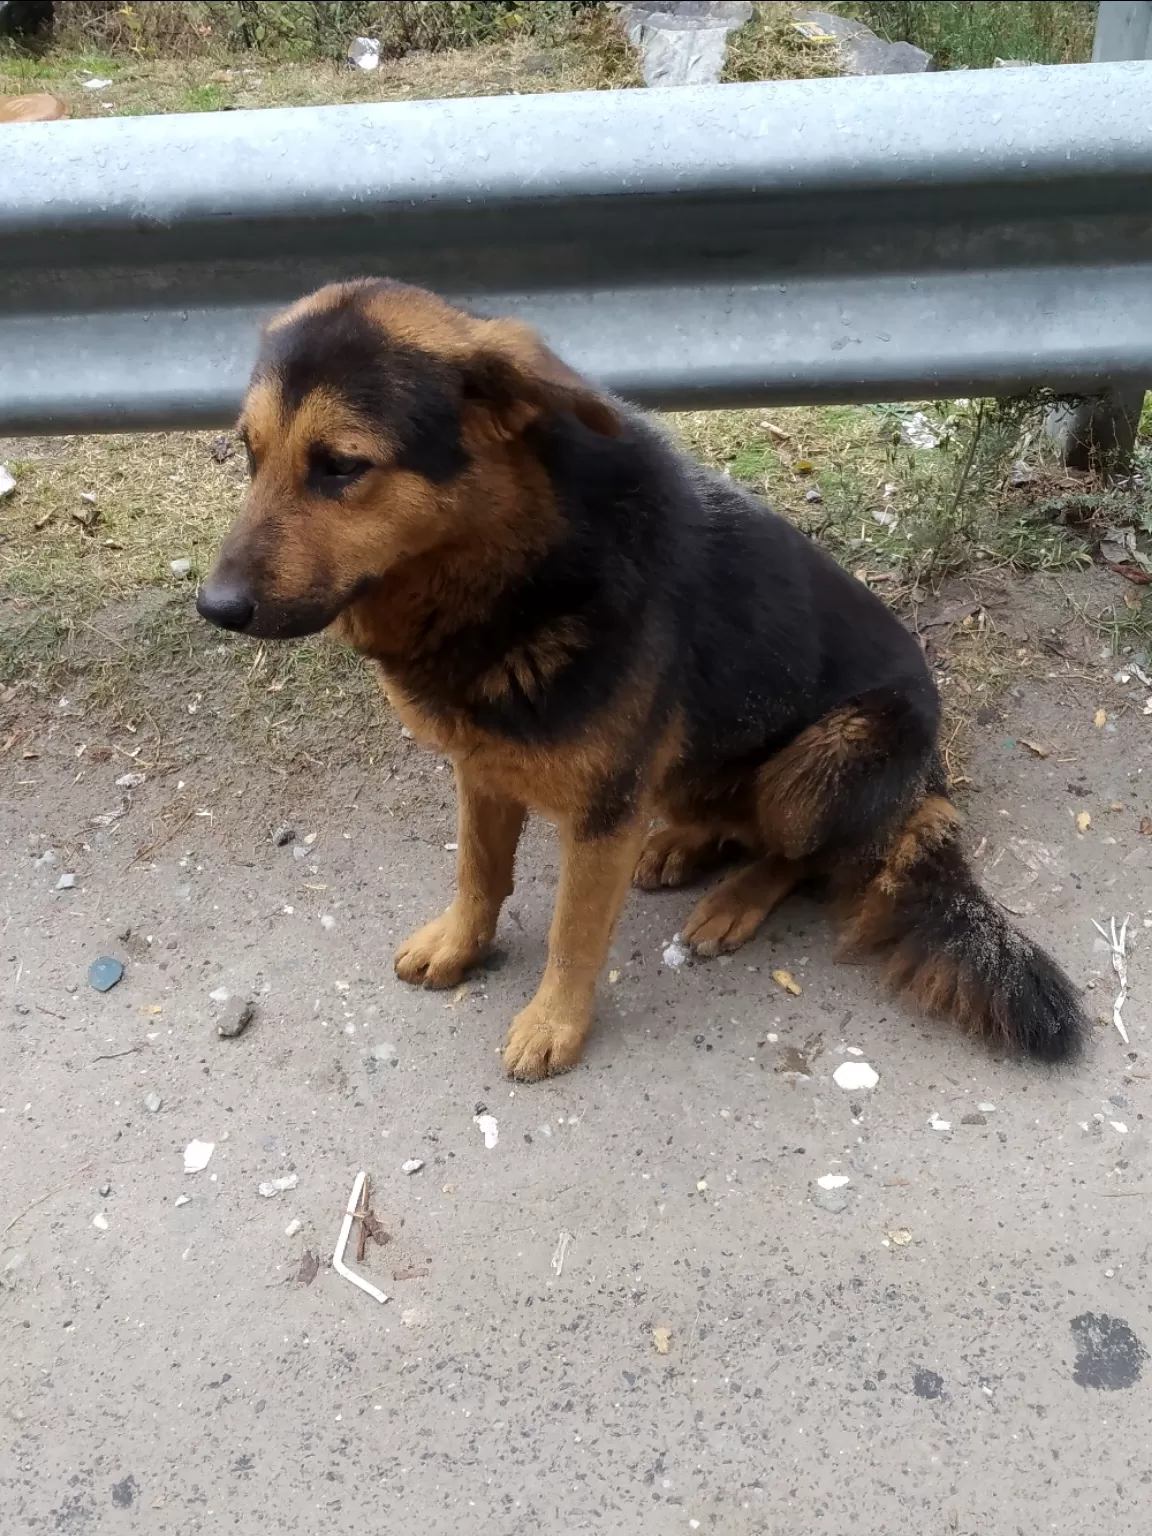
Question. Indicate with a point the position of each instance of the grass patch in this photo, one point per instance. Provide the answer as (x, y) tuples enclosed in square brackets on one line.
[(904, 516), (972, 34), (595, 57), (768, 48)]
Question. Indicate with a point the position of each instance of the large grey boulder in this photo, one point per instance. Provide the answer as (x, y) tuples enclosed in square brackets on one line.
[(862, 52)]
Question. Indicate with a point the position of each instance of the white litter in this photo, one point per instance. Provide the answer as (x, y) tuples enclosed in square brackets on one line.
[(183, 1200), (197, 1156), (100, 1221), (7, 482), (488, 1128), (1117, 941), (853, 1075), (675, 954), (96, 84), (220, 995), (364, 52), (180, 567), (1119, 1127), (413, 1165), (833, 1181), (130, 780), (66, 883), (561, 1253), (328, 922), (918, 432), (853, 1050), (986, 1109), (937, 1124), (272, 1187), (294, 1226), (338, 1263)]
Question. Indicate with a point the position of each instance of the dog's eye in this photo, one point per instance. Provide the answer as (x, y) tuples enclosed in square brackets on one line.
[(332, 473)]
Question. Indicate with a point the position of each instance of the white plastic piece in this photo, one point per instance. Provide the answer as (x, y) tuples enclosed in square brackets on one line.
[(854, 1075), (488, 1128), (197, 1156), (338, 1263)]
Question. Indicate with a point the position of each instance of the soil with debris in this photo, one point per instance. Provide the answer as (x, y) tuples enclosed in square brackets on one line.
[(717, 1351)]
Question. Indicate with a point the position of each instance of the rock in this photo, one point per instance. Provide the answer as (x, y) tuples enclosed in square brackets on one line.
[(283, 835), (222, 449), (327, 922), (66, 883), (272, 1187), (131, 780), (382, 1055), (682, 44), (153, 1103), (814, 496), (104, 973), (834, 1199), (863, 53), (46, 859), (973, 1120), (413, 1165), (7, 482), (105, 1190), (180, 567), (236, 1019), (364, 53), (299, 851), (15, 1270), (294, 1226)]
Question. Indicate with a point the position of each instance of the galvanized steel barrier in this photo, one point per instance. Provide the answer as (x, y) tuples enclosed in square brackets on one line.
[(825, 240)]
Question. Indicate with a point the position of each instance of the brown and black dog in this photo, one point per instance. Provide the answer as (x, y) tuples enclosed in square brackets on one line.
[(595, 628)]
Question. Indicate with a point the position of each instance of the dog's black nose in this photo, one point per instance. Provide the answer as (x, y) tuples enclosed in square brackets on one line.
[(229, 607)]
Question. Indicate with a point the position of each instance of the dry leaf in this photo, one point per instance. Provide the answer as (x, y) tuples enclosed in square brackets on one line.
[(777, 434), (1083, 821), (802, 466), (1146, 826), (1034, 746), (662, 1338), (787, 981), (900, 1236), (1101, 719)]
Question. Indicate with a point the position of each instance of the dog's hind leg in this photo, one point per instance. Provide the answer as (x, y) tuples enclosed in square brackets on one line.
[(488, 832), (678, 855), (728, 916), (595, 872)]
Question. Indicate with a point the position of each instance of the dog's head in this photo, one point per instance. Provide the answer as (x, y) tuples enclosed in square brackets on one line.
[(375, 414)]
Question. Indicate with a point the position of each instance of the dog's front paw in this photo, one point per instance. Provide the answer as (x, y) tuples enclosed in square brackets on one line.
[(439, 954), (543, 1041)]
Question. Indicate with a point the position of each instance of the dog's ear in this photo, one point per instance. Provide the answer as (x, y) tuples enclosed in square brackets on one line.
[(514, 380)]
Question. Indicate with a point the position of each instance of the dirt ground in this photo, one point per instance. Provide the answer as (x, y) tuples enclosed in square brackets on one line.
[(954, 1341)]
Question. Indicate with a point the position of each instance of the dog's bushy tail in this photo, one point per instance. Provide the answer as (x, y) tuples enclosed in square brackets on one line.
[(951, 950)]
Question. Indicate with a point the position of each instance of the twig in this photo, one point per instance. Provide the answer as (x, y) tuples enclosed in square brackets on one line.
[(1119, 946), (338, 1263), (84, 1167), (111, 1055), (49, 1012), (154, 847), (362, 1212)]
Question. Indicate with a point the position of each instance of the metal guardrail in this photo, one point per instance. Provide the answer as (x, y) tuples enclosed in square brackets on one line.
[(824, 240)]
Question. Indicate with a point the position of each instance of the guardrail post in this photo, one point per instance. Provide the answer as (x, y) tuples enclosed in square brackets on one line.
[(1101, 431)]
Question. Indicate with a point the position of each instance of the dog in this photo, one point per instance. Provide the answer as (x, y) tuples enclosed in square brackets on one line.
[(597, 629)]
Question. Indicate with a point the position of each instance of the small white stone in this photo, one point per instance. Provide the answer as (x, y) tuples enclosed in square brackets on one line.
[(294, 1226), (180, 567), (220, 995), (183, 1200), (100, 1221), (833, 1181), (413, 1165), (488, 1128), (328, 922), (66, 882), (937, 1124)]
